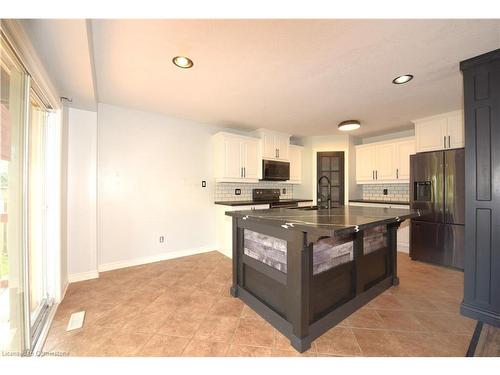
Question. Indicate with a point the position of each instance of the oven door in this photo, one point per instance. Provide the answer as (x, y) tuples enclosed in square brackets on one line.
[(275, 170), (283, 205)]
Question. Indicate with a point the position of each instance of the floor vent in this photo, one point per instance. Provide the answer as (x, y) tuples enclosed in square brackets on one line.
[(76, 320)]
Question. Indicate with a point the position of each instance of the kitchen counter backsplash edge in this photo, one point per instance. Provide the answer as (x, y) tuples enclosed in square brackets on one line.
[(226, 191)]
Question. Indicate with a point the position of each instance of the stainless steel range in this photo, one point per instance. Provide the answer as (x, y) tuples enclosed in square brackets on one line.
[(272, 196)]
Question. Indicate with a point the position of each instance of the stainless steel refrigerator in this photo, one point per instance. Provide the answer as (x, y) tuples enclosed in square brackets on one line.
[(437, 189)]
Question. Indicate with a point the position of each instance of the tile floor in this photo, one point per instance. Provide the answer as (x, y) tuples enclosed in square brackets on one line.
[(182, 307), (488, 344)]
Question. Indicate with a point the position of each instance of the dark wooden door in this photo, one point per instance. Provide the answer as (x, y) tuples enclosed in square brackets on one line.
[(482, 194), (331, 165)]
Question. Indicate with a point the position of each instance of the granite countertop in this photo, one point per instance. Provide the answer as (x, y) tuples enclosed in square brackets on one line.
[(407, 203), (343, 219), (249, 203)]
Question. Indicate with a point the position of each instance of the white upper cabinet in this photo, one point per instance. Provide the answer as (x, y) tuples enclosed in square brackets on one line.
[(236, 158), (456, 130), (295, 154), (275, 146), (365, 163), (431, 134), (231, 162), (440, 132), (250, 155), (383, 162), (282, 142), (403, 151)]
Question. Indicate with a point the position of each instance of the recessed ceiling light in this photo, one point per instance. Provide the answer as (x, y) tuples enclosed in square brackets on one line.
[(182, 62), (349, 125), (402, 79)]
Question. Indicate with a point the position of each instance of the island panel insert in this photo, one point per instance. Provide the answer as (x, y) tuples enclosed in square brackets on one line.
[(301, 303), (327, 252), (375, 239)]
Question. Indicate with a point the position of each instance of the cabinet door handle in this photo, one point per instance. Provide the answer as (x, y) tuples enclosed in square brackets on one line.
[(397, 173), (244, 172), (278, 152), (444, 140), (241, 172), (376, 175), (449, 143)]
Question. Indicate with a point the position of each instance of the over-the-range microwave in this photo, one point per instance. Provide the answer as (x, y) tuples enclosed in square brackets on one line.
[(273, 170)]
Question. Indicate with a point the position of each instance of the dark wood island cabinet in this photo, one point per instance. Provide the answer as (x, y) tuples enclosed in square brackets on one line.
[(305, 270)]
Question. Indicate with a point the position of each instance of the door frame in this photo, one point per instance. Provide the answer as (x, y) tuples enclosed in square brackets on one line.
[(340, 154)]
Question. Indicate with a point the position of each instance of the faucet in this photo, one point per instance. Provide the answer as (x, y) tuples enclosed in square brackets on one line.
[(329, 196)]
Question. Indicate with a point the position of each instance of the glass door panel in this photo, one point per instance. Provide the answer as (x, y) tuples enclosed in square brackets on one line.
[(14, 83), (36, 211)]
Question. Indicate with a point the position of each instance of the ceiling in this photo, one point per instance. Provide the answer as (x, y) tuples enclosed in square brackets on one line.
[(298, 76), (63, 47)]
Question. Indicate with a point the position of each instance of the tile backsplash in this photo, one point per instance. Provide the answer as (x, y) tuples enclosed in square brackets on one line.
[(225, 191), (395, 192)]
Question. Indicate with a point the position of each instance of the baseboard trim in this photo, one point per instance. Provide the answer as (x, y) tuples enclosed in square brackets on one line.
[(82, 276), (63, 294), (403, 247), (476, 313), (155, 258)]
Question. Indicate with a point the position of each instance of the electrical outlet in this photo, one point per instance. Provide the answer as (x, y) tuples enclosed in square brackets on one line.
[(284, 190), (203, 184), (162, 239), (237, 191), (385, 191)]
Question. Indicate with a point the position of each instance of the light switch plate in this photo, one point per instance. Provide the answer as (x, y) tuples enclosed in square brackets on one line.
[(76, 320)]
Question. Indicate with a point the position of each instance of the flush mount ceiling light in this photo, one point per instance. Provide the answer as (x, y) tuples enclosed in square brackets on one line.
[(402, 79), (349, 125), (182, 62)]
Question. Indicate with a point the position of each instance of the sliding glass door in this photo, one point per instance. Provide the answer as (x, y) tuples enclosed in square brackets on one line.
[(23, 252), (13, 271), (36, 213)]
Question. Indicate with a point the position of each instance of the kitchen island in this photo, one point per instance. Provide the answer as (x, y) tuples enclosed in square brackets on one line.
[(305, 270)]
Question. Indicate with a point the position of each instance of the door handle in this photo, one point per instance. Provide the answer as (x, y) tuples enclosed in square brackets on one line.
[(397, 173)]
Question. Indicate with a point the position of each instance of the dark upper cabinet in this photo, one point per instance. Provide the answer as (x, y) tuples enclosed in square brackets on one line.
[(481, 76)]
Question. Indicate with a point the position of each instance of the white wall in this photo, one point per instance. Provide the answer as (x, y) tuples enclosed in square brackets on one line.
[(82, 184), (150, 169)]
